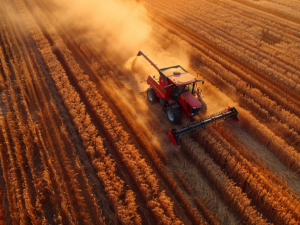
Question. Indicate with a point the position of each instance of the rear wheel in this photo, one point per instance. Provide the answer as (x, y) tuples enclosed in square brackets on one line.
[(203, 106), (173, 115), (151, 95)]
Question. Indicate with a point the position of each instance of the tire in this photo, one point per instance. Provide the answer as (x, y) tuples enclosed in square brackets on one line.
[(173, 115), (203, 108), (151, 95), (162, 101)]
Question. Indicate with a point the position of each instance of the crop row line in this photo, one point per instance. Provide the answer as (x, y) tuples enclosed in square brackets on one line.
[(220, 42), (29, 203), (232, 194), (86, 129), (37, 92), (269, 11), (252, 181), (19, 118), (273, 23), (244, 41), (256, 165)]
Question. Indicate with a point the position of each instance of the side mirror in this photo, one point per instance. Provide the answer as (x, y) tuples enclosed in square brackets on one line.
[(200, 80)]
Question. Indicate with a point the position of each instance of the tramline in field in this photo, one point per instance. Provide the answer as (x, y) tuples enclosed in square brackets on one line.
[(177, 91)]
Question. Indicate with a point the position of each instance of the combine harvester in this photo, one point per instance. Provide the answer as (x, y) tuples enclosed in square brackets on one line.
[(177, 91)]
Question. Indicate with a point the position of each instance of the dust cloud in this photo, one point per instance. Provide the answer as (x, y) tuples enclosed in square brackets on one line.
[(116, 24), (122, 28)]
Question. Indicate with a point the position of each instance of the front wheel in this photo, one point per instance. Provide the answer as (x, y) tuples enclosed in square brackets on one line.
[(173, 115), (152, 95)]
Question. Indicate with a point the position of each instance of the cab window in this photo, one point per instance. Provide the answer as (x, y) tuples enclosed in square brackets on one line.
[(177, 90)]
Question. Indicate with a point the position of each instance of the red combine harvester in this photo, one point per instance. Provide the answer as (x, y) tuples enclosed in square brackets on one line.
[(177, 90)]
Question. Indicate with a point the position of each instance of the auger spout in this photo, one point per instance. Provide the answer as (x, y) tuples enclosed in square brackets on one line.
[(149, 60)]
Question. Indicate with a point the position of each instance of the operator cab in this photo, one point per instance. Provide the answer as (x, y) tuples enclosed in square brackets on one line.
[(178, 90), (182, 81)]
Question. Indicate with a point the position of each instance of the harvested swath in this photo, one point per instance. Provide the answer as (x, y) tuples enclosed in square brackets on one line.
[(247, 154), (2, 213), (28, 193), (277, 13), (253, 183), (82, 121), (6, 174), (121, 104), (91, 201), (64, 216), (30, 153), (83, 180), (206, 213), (271, 23), (271, 181), (183, 182), (283, 151), (232, 194), (15, 177), (63, 174), (17, 157)]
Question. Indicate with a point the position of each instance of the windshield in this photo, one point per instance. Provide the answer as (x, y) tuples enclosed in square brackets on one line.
[(188, 87), (177, 90)]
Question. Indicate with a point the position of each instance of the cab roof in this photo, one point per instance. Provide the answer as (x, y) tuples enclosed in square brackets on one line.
[(176, 75)]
